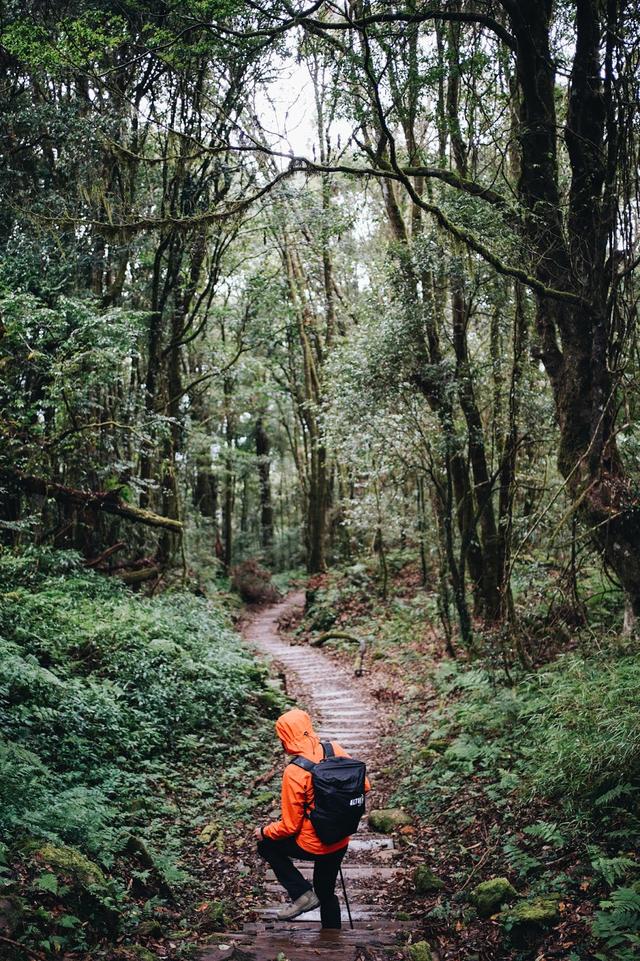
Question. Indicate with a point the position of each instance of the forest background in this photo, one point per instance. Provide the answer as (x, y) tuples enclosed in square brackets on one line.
[(305, 286)]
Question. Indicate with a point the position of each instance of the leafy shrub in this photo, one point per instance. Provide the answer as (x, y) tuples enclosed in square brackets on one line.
[(253, 583), (571, 731), (105, 696), (617, 924)]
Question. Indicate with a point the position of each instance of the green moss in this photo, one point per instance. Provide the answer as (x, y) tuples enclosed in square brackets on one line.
[(211, 832), (73, 864), (529, 919), (420, 951), (542, 911), (142, 953), (425, 880), (489, 896), (149, 928), (388, 819), (216, 916)]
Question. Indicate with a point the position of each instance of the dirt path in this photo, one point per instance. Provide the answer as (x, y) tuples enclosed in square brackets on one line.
[(342, 710)]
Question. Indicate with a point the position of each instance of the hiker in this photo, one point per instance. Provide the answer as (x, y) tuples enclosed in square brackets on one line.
[(295, 836)]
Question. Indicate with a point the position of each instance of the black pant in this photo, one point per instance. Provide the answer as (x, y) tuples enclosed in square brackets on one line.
[(278, 855)]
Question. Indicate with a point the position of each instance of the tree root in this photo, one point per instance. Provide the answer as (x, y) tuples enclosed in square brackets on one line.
[(345, 636)]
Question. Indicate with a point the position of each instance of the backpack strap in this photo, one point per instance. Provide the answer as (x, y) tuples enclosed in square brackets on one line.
[(303, 762), (306, 764)]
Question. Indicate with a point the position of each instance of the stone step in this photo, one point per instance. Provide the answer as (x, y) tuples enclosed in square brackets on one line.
[(377, 922), (350, 871), (344, 709), (314, 681), (361, 892), (301, 945), (359, 912), (324, 693), (354, 736), (334, 729), (371, 843)]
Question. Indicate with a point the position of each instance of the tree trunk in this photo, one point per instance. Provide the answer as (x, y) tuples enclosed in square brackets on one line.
[(489, 585), (205, 491), (317, 510), (508, 452), (228, 497), (263, 452), (575, 332)]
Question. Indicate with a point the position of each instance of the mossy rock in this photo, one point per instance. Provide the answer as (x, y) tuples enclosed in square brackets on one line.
[(323, 619), (425, 881), (11, 915), (137, 850), (72, 864), (489, 896), (212, 832), (149, 928), (89, 895), (216, 916), (388, 819), (420, 951), (143, 954), (527, 921)]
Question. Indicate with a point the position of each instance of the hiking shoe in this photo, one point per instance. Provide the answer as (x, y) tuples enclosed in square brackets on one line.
[(306, 902)]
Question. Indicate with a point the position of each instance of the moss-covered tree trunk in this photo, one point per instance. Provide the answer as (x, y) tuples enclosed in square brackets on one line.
[(572, 254), (263, 456)]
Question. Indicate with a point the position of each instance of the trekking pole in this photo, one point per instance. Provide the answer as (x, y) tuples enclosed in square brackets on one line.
[(346, 899)]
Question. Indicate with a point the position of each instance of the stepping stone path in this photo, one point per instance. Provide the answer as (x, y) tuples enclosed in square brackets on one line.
[(341, 711)]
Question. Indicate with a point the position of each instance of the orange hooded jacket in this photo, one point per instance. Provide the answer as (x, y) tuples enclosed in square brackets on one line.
[(295, 730)]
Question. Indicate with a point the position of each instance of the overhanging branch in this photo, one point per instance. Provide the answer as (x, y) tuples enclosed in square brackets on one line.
[(107, 502), (306, 19)]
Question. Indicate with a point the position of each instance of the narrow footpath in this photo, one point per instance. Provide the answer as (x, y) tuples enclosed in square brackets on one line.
[(343, 711)]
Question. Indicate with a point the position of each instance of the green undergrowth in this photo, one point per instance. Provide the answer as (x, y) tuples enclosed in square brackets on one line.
[(126, 724), (533, 775), (547, 769)]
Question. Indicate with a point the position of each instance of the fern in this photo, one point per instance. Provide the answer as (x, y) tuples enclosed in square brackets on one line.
[(623, 789), (519, 861), (611, 870), (547, 832), (617, 923)]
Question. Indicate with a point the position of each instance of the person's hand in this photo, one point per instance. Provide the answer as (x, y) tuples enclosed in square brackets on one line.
[(257, 833)]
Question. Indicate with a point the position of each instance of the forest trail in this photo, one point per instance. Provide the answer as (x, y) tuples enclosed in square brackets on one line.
[(343, 711)]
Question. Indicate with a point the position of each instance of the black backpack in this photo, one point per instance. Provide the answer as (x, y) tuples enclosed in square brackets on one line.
[(338, 789)]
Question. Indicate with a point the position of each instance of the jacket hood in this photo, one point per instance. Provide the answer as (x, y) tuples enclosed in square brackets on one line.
[(295, 730)]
